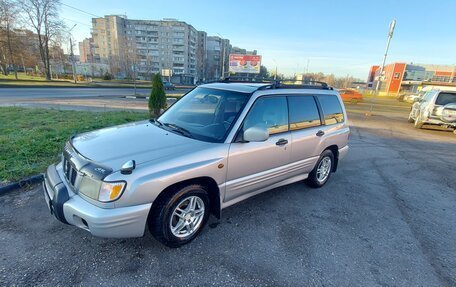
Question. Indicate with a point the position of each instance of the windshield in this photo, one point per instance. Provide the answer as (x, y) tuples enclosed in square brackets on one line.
[(205, 114)]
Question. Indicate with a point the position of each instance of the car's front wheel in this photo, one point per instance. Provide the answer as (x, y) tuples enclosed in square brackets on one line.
[(322, 170), (418, 123), (180, 215), (410, 119)]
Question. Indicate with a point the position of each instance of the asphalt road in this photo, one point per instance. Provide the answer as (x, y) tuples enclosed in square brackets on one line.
[(386, 218), (16, 95)]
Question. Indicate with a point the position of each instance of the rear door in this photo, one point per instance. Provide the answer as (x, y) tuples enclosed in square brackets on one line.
[(255, 165), (306, 132), (334, 130)]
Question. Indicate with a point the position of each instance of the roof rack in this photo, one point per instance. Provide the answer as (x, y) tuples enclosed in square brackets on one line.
[(279, 84)]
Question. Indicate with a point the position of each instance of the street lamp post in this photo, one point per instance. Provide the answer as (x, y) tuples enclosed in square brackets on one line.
[(382, 68), (72, 55), (275, 74)]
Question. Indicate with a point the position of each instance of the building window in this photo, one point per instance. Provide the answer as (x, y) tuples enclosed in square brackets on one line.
[(396, 75)]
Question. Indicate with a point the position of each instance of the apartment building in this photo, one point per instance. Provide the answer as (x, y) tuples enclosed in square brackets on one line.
[(86, 51), (141, 47), (217, 58)]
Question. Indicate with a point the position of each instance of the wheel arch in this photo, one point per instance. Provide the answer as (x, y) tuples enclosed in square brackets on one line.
[(335, 150), (208, 182)]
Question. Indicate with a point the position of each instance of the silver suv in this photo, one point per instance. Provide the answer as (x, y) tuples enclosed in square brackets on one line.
[(219, 144), (436, 107)]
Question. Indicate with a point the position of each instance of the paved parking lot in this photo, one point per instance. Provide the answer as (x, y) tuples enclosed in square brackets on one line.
[(387, 217)]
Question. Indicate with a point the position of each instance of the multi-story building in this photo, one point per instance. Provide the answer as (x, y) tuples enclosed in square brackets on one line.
[(237, 50), (141, 47), (86, 51), (217, 58), (402, 77), (201, 57)]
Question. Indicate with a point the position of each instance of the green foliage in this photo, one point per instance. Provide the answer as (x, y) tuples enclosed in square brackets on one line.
[(32, 139), (157, 99), (107, 76)]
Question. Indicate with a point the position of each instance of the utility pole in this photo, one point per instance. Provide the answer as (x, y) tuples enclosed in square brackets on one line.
[(382, 67), (72, 55)]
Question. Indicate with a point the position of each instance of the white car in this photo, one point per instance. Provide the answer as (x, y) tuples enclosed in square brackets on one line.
[(437, 107)]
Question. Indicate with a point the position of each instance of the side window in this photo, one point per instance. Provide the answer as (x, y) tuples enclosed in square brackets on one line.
[(445, 98), (303, 112), (270, 112), (332, 110)]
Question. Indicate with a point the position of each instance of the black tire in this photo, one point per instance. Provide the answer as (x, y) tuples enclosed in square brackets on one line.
[(410, 119), (312, 180), (160, 216), (418, 124)]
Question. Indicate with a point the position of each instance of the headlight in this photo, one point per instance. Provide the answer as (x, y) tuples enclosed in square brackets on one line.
[(110, 191)]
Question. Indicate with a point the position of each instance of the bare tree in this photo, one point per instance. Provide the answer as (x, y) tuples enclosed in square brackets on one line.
[(8, 14), (43, 17)]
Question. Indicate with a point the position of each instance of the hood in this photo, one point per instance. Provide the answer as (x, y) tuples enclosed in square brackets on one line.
[(140, 141)]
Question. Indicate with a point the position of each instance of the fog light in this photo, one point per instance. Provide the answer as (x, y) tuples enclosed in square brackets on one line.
[(111, 191)]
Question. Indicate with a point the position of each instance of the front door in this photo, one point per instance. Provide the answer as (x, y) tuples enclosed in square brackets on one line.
[(255, 165)]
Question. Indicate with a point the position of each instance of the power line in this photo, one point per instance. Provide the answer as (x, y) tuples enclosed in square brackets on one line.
[(74, 21), (80, 10)]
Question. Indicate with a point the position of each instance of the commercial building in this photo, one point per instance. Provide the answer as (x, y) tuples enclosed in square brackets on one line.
[(402, 77)]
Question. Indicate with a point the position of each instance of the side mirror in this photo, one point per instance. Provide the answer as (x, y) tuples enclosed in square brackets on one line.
[(256, 134)]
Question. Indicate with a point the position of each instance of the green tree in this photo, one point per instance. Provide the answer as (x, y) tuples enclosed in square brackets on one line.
[(157, 99), (264, 73)]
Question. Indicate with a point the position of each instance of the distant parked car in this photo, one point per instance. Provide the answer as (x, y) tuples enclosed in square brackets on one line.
[(437, 107), (351, 95), (400, 97), (168, 86)]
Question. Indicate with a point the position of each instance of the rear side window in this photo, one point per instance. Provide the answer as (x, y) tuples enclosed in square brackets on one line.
[(445, 99), (332, 110), (303, 112)]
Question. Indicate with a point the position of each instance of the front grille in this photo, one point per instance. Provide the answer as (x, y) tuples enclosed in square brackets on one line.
[(69, 171)]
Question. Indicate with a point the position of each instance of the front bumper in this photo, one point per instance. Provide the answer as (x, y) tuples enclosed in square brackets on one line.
[(72, 209)]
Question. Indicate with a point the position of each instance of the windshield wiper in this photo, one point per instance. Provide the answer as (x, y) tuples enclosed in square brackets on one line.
[(156, 122), (179, 129)]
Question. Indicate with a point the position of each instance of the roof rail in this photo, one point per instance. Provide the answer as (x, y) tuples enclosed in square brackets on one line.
[(277, 84)]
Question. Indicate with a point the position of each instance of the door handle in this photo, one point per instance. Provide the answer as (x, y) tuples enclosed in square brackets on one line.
[(320, 133), (281, 142)]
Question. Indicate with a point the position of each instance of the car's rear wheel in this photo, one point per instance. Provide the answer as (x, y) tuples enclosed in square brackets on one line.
[(322, 170), (180, 215)]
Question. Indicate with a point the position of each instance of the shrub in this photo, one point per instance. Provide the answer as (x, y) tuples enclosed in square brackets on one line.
[(157, 99)]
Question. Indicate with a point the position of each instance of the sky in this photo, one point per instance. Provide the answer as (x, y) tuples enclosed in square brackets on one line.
[(333, 37)]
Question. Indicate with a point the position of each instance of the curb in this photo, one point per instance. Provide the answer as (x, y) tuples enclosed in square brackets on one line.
[(16, 185)]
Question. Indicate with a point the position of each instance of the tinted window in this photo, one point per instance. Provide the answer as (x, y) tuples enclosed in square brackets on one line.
[(332, 109), (269, 112), (303, 112), (445, 98)]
